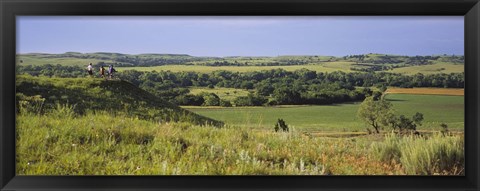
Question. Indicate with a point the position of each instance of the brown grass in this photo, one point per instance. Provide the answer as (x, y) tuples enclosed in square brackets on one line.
[(426, 91)]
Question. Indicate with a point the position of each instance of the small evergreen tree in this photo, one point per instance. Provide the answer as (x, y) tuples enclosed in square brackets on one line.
[(281, 126)]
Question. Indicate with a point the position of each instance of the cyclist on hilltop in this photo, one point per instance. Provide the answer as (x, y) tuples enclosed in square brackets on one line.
[(102, 72), (111, 70), (90, 69)]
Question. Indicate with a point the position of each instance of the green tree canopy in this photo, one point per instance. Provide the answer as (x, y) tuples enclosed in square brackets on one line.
[(375, 113)]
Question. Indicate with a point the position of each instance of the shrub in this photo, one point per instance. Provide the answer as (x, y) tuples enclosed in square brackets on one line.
[(423, 156), (444, 130), (225, 103), (281, 126), (437, 155)]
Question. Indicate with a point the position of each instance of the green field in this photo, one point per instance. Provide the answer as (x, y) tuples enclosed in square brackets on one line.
[(342, 117), (324, 67), (320, 67), (431, 69)]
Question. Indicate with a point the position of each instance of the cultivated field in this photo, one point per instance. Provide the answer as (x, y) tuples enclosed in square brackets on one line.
[(342, 117), (431, 69), (426, 91), (330, 67), (318, 67)]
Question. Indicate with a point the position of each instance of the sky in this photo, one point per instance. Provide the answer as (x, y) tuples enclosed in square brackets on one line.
[(242, 35)]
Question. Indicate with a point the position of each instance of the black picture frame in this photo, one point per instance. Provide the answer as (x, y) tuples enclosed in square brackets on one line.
[(9, 9)]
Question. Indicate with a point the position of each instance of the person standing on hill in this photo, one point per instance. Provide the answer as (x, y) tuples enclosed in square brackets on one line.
[(102, 72), (90, 69), (111, 70)]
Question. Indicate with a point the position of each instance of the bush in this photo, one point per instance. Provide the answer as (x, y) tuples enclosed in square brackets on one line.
[(281, 126), (225, 103), (423, 156), (444, 130), (437, 155)]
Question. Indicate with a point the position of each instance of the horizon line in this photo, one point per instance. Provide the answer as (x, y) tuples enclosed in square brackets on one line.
[(392, 54)]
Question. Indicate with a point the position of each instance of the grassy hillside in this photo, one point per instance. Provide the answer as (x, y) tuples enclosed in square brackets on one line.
[(90, 95), (102, 144)]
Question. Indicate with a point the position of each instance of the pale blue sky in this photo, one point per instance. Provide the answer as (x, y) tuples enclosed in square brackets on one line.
[(242, 36)]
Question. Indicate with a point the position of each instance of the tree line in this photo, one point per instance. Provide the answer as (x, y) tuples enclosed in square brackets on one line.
[(267, 87)]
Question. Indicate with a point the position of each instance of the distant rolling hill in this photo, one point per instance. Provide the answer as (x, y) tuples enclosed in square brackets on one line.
[(116, 96), (183, 62)]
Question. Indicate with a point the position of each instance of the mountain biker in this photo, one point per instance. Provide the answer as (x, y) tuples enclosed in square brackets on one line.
[(111, 70), (90, 69), (102, 72)]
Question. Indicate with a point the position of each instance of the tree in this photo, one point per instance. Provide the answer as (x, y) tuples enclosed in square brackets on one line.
[(375, 113), (281, 126), (246, 85), (189, 99), (264, 88), (211, 99), (405, 123), (418, 118), (377, 95), (285, 95), (250, 100)]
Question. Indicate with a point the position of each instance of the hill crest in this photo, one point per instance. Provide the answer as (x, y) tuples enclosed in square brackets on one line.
[(117, 96)]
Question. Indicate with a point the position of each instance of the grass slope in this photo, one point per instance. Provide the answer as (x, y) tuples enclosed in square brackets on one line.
[(102, 144), (89, 94)]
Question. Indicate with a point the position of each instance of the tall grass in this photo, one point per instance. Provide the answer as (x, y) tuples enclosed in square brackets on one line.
[(100, 143), (433, 155), (59, 142)]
